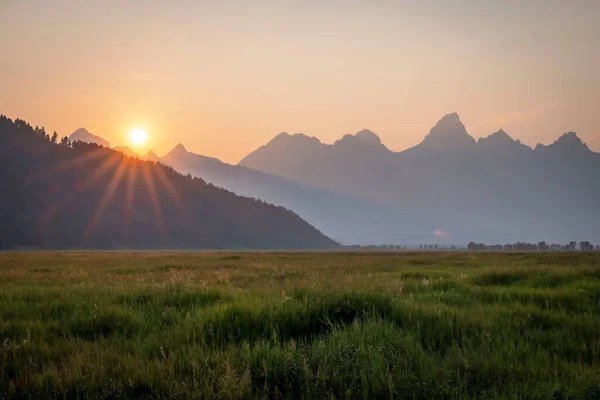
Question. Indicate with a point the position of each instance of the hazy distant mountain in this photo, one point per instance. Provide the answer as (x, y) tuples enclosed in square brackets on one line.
[(500, 144), (449, 134), (83, 135), (494, 189), (151, 156), (568, 146), (342, 217), (86, 196), (335, 167)]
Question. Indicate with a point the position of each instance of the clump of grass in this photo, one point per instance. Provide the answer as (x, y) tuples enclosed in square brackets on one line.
[(298, 318), (172, 296), (104, 324)]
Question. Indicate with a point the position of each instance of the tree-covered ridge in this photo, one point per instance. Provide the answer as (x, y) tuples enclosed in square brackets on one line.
[(58, 194)]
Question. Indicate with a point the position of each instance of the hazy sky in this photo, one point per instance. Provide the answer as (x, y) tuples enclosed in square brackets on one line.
[(223, 77)]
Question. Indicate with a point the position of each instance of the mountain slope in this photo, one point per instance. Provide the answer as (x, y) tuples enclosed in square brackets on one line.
[(92, 197), (344, 218)]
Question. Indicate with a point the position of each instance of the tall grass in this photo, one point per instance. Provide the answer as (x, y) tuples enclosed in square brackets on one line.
[(310, 325)]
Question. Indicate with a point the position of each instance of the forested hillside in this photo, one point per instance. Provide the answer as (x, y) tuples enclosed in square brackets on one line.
[(57, 194)]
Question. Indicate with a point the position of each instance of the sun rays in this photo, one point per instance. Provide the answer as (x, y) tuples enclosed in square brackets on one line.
[(151, 189), (123, 178), (108, 195)]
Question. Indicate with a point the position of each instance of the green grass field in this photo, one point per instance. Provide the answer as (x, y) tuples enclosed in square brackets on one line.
[(290, 325)]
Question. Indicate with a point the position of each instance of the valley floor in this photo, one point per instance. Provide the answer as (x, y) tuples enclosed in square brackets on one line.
[(291, 325)]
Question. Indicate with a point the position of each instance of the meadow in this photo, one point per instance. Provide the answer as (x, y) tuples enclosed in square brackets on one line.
[(299, 325)]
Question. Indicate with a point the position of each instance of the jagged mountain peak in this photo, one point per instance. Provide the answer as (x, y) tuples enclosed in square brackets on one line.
[(569, 139), (447, 125), (282, 135), (81, 131), (502, 141), (179, 148), (448, 133), (499, 137), (177, 152), (450, 117), (367, 135), (568, 142), (285, 137), (150, 155), (501, 134), (284, 148), (84, 135), (364, 140)]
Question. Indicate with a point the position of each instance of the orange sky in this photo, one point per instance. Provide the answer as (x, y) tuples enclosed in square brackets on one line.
[(224, 79)]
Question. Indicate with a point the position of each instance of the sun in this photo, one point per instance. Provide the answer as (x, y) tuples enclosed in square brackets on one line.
[(138, 137)]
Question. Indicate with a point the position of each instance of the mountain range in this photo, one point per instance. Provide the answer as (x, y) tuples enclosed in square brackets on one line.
[(449, 188), (83, 195), (435, 173)]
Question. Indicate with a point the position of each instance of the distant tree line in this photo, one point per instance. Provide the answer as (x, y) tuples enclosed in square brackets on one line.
[(522, 246), (438, 247), (400, 247), (541, 246), (374, 247)]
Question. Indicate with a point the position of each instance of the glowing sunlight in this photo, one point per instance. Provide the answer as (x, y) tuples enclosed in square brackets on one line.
[(138, 137)]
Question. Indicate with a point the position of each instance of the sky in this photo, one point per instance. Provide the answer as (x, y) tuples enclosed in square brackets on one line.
[(224, 77)]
